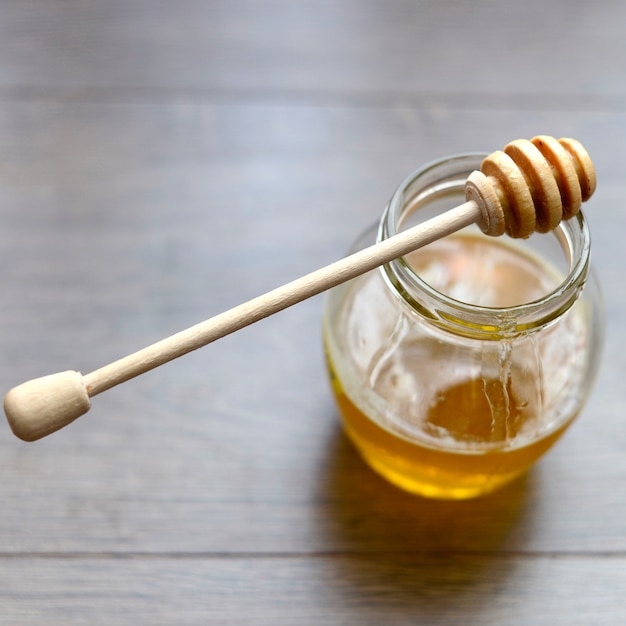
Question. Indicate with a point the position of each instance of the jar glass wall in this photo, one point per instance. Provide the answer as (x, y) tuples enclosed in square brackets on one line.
[(456, 367)]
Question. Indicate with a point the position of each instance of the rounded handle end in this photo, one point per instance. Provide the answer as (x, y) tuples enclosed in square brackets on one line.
[(44, 405)]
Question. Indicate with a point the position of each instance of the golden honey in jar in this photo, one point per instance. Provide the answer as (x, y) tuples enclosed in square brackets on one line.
[(456, 367)]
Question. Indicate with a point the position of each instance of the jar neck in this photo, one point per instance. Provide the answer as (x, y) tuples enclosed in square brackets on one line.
[(438, 187)]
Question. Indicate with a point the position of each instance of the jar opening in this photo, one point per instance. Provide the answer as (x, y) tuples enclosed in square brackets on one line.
[(558, 262)]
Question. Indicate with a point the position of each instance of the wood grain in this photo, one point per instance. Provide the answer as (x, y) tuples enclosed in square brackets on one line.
[(394, 589), (161, 162)]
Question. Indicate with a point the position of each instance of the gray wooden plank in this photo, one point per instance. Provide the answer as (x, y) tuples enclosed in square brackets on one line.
[(390, 589), (572, 51)]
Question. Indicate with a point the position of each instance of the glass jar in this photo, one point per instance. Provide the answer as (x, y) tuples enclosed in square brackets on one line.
[(457, 366)]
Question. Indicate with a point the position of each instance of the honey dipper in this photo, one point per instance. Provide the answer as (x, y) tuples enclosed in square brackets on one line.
[(530, 186)]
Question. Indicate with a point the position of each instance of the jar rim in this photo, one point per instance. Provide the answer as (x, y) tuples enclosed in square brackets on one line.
[(449, 174)]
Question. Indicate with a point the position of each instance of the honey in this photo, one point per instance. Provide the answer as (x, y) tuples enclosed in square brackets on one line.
[(457, 367), (438, 472)]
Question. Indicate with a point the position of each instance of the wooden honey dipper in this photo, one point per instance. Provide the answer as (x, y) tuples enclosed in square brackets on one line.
[(530, 186)]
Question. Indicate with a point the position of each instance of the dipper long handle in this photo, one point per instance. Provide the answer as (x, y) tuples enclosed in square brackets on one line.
[(41, 406), (530, 186)]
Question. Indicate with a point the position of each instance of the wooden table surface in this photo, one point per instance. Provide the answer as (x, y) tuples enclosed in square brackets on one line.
[(163, 161)]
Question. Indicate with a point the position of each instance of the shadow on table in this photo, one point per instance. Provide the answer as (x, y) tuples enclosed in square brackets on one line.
[(399, 546)]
